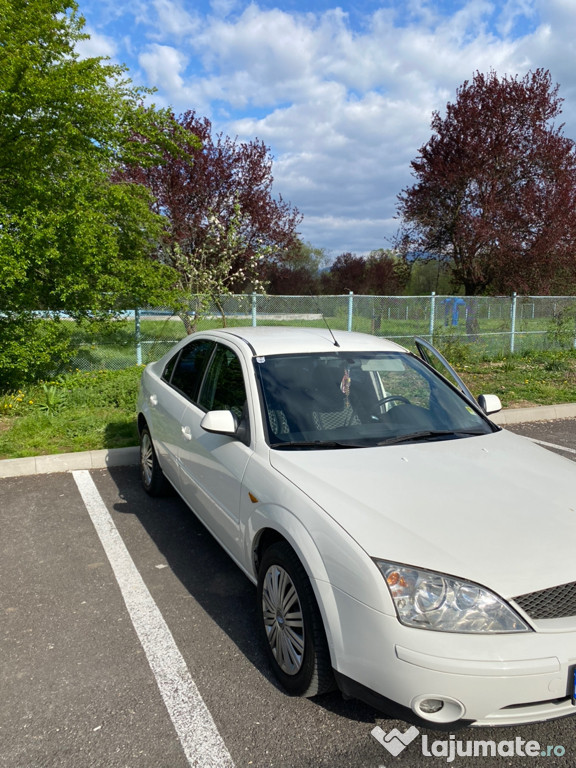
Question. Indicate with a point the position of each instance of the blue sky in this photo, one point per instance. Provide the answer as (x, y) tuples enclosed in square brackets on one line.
[(342, 94)]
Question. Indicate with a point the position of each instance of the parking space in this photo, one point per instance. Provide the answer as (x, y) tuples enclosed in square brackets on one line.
[(80, 688), (75, 683), (558, 436)]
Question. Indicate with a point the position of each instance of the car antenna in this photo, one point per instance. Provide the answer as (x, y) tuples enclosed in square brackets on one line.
[(326, 323)]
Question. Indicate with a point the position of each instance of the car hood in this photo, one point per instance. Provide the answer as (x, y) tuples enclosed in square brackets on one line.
[(495, 509)]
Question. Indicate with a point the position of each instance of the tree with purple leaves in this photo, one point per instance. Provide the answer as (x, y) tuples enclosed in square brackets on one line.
[(495, 189)]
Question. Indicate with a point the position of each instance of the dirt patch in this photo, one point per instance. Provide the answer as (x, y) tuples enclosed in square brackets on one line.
[(5, 425)]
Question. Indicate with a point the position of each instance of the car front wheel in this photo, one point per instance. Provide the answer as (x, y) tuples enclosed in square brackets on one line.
[(291, 624)]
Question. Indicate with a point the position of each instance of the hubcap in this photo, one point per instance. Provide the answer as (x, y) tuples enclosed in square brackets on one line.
[(283, 619), (147, 458)]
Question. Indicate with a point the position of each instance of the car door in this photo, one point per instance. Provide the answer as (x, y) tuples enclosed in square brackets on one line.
[(180, 382), (213, 465), (436, 360)]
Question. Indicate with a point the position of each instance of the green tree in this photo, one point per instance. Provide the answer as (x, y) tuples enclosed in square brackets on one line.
[(295, 271), (70, 238), (427, 275)]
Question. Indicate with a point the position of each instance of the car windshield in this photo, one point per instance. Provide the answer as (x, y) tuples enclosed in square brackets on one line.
[(348, 399)]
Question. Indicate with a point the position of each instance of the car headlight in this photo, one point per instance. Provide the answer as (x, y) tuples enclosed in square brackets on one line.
[(430, 600)]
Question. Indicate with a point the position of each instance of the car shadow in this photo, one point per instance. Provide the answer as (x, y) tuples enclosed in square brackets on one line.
[(121, 434), (212, 579)]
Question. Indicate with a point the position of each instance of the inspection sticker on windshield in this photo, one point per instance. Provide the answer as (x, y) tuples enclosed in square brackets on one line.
[(260, 359)]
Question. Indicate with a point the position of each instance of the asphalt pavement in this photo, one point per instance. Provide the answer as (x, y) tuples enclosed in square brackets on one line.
[(128, 640)]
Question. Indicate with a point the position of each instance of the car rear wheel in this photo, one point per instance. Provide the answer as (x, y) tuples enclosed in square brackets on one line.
[(153, 479), (291, 624)]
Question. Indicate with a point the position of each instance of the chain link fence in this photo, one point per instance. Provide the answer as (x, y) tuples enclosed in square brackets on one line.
[(484, 326)]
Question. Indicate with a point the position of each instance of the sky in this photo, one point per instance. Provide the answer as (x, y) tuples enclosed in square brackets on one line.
[(343, 95)]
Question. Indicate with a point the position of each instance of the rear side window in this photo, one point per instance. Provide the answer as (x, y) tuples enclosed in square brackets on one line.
[(189, 370), (167, 372)]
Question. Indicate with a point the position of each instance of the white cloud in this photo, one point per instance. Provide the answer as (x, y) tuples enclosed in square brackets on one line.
[(96, 45), (344, 108), (163, 64), (359, 107), (271, 48), (514, 12), (223, 8), (172, 20)]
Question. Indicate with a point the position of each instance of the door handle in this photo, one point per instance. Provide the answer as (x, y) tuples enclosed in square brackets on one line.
[(186, 431)]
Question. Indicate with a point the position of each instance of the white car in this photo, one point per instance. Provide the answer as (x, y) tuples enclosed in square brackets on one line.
[(406, 549)]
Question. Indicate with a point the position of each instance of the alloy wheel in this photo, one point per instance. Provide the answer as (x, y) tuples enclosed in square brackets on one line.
[(147, 458)]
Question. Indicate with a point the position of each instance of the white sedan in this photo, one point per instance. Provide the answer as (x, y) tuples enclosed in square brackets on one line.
[(405, 549)]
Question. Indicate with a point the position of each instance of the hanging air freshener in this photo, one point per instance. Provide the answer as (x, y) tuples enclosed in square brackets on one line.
[(345, 386)]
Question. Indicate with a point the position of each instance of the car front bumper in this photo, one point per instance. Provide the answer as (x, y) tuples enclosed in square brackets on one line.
[(485, 679)]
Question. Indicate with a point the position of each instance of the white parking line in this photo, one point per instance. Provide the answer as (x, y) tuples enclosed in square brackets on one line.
[(552, 445), (200, 739)]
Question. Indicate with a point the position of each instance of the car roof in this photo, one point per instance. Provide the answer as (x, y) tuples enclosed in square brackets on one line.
[(277, 340)]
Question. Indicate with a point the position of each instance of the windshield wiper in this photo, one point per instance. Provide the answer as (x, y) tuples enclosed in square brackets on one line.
[(429, 434), (315, 444)]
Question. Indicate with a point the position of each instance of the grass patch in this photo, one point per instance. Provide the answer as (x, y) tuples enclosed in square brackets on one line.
[(76, 412), (535, 378), (89, 411)]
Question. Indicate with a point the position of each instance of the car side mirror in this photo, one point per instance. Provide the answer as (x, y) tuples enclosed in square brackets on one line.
[(489, 404), (220, 422)]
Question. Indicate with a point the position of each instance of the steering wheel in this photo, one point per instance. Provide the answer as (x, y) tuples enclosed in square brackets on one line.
[(390, 398)]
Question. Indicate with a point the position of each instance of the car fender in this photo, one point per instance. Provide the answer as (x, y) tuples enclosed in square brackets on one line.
[(326, 549), (326, 575), (281, 520)]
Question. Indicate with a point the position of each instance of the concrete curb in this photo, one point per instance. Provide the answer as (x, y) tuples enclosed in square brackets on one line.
[(541, 413), (67, 462), (122, 457)]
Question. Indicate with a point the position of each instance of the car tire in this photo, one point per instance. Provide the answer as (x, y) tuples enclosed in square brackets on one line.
[(153, 480), (291, 624)]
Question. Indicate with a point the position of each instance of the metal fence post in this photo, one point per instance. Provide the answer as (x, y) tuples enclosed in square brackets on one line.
[(254, 316), (138, 336), (432, 315), (512, 322), (350, 309)]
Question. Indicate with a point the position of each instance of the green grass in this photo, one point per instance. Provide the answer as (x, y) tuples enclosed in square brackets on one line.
[(78, 412), (535, 378), (87, 411)]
